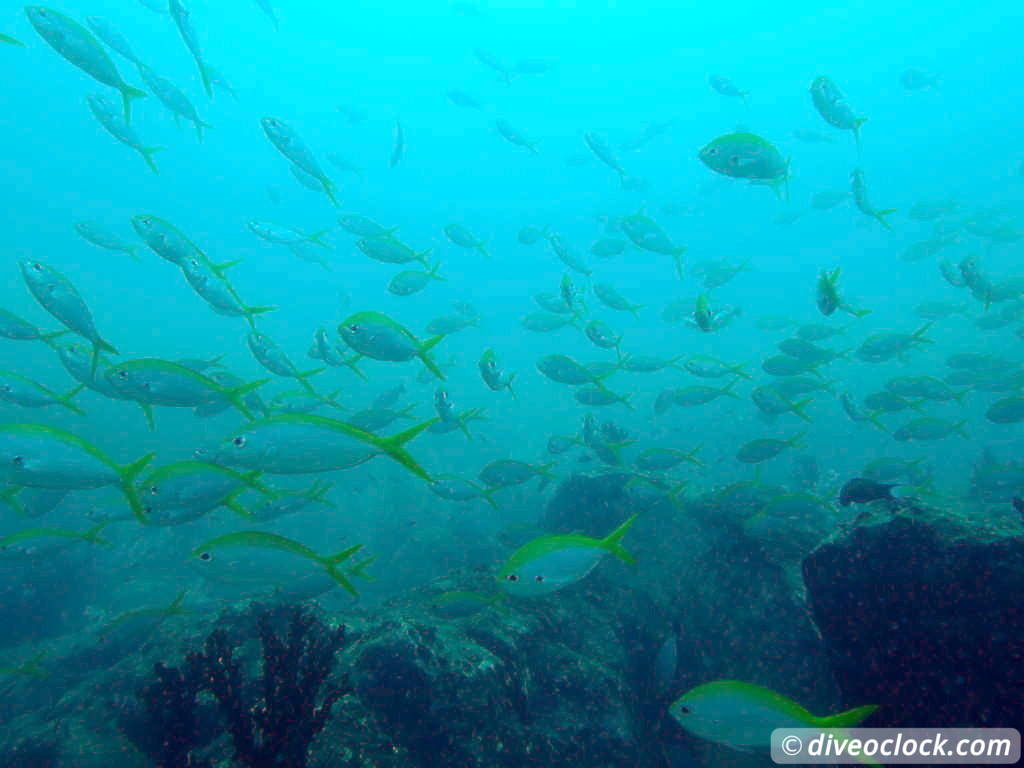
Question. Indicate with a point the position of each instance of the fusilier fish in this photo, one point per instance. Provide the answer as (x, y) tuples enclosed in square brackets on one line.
[(173, 98), (270, 355), (16, 329), (757, 451), (40, 456), (860, 196), (120, 129), (463, 238), (645, 233), (291, 145), (513, 136), (494, 377), (76, 44), (98, 236), (413, 281), (390, 251), (612, 299), (58, 296), (379, 337), (833, 107), (300, 444), (20, 390), (549, 563), (747, 156), (742, 716), (183, 21)]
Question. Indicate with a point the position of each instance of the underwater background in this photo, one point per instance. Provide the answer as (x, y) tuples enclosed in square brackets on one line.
[(470, 383)]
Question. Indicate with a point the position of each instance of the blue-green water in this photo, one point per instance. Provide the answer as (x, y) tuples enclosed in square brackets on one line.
[(940, 92)]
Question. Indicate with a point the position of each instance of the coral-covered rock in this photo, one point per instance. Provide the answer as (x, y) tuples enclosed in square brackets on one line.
[(922, 613)]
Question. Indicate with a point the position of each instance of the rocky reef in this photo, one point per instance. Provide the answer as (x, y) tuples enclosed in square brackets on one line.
[(906, 607), (921, 612)]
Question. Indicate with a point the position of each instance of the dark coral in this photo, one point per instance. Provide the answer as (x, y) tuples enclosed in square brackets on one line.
[(272, 720)]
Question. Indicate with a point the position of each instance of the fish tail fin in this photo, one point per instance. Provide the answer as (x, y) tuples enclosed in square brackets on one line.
[(147, 411), (847, 719), (394, 446), (612, 542), (98, 347), (47, 338), (488, 496), (65, 399), (200, 126), (10, 497), (147, 155), (508, 386), (359, 569), (919, 334), (93, 534), (856, 129), (331, 563), (873, 418), (302, 376), (261, 309), (206, 74), (128, 473), (636, 308), (318, 493), (234, 395), (352, 364), (317, 236), (432, 272), (679, 263), (127, 94), (798, 409), (880, 215), (959, 429), (329, 191), (175, 606), (424, 355), (483, 251), (739, 370)]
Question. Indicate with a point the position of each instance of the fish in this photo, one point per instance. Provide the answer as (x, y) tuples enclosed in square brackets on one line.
[(747, 156), (860, 196), (152, 381), (562, 369), (378, 337), (413, 281), (300, 444), (286, 502), (454, 488), (513, 136), (688, 397), (567, 255), (186, 490), (58, 296), (110, 35), (463, 238), (756, 451), (550, 563), (398, 147), (274, 233), (93, 233), (661, 459), (361, 226), (16, 329), (927, 429), (862, 490), (183, 21), (270, 355), (40, 456), (288, 142), (726, 87), (173, 98), (12, 541), (607, 248), (742, 715), (76, 44), (212, 287), (23, 391), (611, 298), (647, 234), (494, 377), (603, 152), (119, 128), (460, 98), (492, 62), (601, 335), (207, 551), (833, 107), (391, 251), (375, 419)]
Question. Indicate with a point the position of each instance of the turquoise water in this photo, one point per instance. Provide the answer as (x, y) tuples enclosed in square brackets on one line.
[(340, 75)]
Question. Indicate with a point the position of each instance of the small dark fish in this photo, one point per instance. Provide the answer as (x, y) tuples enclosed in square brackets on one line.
[(861, 490)]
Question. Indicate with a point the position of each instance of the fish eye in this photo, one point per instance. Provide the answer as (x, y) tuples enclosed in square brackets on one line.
[(538, 579), (513, 577), (205, 557), (713, 151), (684, 710), (37, 266), (147, 510), (238, 442), (153, 490), (18, 461), (353, 328), (122, 374)]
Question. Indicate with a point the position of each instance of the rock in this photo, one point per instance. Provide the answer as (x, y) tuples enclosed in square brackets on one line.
[(922, 613)]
